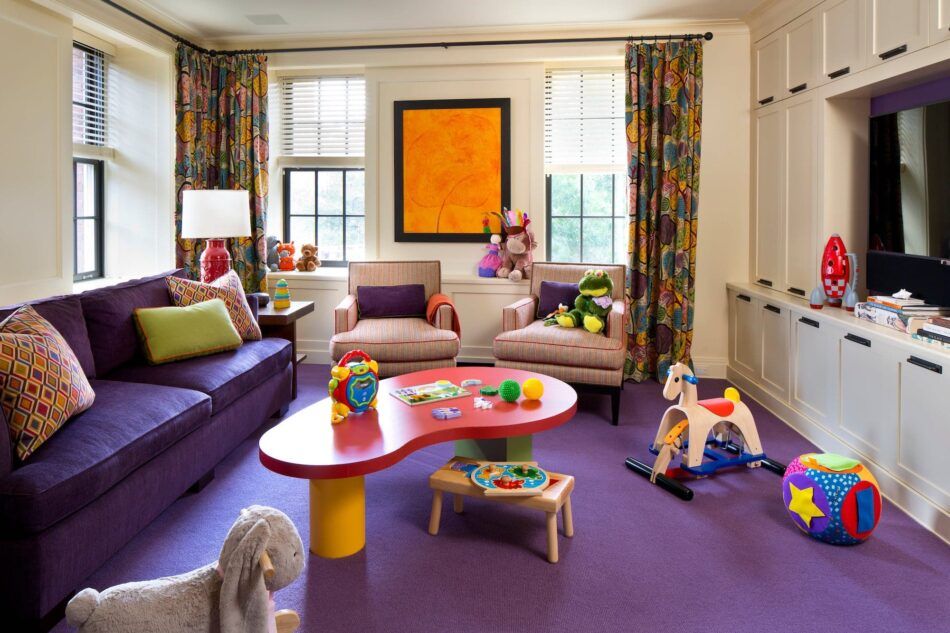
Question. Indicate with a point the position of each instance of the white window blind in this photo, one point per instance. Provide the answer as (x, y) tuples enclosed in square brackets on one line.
[(584, 117), (323, 116), (90, 96)]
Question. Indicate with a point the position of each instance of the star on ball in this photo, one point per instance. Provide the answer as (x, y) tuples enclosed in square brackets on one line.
[(803, 504)]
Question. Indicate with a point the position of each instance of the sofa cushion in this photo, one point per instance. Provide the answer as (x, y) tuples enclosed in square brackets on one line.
[(172, 333), (555, 293), (227, 288), (396, 340), (555, 345), (126, 427), (65, 314), (386, 302), (42, 384), (108, 313), (225, 376)]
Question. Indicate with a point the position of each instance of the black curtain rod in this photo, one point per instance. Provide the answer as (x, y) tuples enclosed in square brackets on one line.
[(446, 45)]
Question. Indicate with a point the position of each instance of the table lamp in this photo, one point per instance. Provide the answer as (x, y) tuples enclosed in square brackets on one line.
[(214, 215)]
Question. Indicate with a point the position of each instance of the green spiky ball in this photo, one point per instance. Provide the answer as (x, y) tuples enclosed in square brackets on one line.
[(509, 390)]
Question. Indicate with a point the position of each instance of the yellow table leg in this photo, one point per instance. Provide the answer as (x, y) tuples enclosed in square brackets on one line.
[(337, 516)]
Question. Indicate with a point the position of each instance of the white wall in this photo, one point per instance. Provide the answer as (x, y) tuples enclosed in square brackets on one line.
[(36, 233)]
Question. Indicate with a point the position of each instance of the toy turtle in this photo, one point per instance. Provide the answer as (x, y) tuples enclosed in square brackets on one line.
[(591, 306), (353, 386)]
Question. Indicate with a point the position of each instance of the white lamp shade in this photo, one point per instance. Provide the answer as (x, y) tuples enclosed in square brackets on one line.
[(215, 213)]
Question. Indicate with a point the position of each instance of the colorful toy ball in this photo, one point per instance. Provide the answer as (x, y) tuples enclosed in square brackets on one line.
[(832, 498), (509, 390), (532, 388)]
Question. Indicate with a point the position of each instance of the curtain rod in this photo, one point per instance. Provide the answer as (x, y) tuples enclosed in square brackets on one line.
[(446, 45)]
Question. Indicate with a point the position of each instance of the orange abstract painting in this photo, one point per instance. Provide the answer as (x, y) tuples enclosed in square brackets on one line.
[(452, 170)]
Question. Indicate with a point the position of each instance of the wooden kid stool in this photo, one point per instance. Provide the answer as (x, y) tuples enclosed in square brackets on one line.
[(557, 496)]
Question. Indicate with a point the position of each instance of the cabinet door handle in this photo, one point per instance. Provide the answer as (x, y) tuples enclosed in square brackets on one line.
[(926, 364), (796, 291), (798, 88), (765, 282), (810, 322), (839, 73), (772, 308), (745, 298), (766, 100), (894, 51), (860, 340)]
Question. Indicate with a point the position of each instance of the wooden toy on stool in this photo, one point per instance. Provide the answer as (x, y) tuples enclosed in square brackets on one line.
[(697, 428), (555, 498)]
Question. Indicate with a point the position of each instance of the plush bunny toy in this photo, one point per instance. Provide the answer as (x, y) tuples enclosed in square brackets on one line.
[(232, 595)]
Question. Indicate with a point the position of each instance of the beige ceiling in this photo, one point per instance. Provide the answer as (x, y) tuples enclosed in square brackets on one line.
[(251, 18)]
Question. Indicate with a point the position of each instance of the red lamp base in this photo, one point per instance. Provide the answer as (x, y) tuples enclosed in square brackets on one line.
[(215, 260)]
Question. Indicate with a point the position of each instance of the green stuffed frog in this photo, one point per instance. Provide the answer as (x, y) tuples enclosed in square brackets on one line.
[(592, 305)]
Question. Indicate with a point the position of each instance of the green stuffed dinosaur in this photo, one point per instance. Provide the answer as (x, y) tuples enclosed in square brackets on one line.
[(592, 305)]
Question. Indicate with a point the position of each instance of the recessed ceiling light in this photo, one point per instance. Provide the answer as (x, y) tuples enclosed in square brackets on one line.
[(265, 19)]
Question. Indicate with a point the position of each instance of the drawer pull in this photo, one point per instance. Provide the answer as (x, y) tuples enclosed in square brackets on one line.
[(860, 340), (839, 73), (810, 322), (745, 298), (798, 88), (765, 282), (797, 291), (766, 100), (926, 364), (772, 308), (894, 51)]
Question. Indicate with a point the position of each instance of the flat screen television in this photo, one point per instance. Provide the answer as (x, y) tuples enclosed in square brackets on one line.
[(909, 202)]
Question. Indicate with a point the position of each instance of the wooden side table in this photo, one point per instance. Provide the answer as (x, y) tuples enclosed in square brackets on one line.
[(283, 324)]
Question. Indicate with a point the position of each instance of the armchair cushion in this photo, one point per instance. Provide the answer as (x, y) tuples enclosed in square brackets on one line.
[(387, 302), (576, 347), (403, 340), (554, 293)]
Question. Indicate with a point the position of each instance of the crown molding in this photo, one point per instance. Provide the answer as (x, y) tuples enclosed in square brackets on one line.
[(771, 15)]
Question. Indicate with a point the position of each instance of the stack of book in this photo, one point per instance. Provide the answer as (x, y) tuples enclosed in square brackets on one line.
[(935, 330), (907, 315)]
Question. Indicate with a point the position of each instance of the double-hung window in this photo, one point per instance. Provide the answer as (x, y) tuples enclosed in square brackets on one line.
[(90, 73), (584, 156), (323, 130)]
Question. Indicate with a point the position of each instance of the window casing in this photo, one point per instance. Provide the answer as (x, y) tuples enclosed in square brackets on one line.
[(326, 206), (585, 155)]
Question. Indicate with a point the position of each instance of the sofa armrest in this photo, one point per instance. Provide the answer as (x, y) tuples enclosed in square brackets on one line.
[(253, 303), (519, 314), (6, 448), (444, 317), (345, 315), (616, 320)]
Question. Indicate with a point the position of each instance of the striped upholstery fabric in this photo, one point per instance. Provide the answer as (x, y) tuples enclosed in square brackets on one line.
[(519, 314), (345, 315), (401, 340), (571, 375), (396, 273), (575, 347), (444, 317), (394, 368), (546, 271)]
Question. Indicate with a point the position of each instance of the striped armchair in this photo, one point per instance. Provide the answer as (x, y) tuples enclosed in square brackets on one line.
[(573, 355), (400, 345)]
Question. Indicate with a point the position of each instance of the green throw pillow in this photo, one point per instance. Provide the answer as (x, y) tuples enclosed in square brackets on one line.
[(174, 333)]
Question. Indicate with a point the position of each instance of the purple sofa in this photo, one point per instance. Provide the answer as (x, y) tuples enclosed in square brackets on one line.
[(152, 433)]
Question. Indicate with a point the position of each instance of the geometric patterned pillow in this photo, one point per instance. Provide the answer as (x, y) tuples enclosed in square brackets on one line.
[(228, 288), (42, 384)]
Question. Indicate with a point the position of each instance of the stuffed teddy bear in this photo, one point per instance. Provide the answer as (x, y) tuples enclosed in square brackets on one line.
[(591, 306), (273, 259), (308, 258), (285, 255), (516, 257), (261, 554)]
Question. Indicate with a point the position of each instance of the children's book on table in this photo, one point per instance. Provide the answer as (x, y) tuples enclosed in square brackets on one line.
[(438, 391)]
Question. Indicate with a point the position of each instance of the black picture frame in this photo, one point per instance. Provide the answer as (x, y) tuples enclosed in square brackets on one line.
[(399, 108)]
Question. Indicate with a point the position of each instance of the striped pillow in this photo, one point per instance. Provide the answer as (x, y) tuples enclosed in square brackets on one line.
[(228, 288), (42, 384)]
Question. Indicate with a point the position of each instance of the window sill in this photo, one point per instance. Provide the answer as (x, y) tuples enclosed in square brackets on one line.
[(92, 284), (340, 274)]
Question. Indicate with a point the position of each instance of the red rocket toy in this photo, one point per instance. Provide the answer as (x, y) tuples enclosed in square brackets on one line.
[(839, 272)]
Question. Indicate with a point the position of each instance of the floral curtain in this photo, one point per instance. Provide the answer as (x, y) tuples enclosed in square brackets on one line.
[(221, 126), (663, 117)]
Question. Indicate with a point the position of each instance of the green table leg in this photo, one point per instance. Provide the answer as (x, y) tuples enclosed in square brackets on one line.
[(506, 449)]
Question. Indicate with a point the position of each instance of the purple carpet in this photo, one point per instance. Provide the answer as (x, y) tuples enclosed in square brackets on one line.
[(641, 559)]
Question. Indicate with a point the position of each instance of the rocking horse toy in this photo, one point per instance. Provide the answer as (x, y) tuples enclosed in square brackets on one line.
[(720, 430)]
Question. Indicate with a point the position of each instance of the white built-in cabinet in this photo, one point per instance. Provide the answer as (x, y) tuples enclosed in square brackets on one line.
[(769, 64), (802, 54), (897, 27), (843, 37), (769, 195), (850, 386), (939, 20)]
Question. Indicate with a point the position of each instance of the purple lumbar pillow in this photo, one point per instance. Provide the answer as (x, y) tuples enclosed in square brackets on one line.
[(378, 302), (553, 293)]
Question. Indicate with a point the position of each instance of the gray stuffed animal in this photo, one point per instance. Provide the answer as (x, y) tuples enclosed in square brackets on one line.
[(273, 259), (262, 553)]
